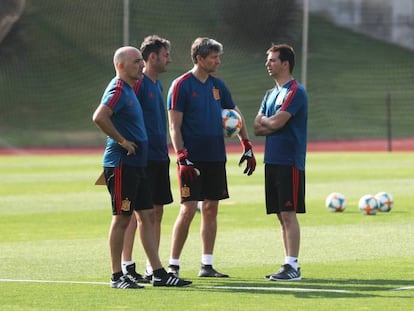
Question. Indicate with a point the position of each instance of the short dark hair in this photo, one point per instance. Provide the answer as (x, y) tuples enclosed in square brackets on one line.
[(203, 47), (153, 43), (286, 53)]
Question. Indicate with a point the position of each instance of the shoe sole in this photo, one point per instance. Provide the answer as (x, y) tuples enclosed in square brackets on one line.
[(138, 287), (285, 280), (211, 273), (164, 285)]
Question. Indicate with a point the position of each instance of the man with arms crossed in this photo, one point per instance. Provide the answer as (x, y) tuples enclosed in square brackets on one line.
[(282, 118)]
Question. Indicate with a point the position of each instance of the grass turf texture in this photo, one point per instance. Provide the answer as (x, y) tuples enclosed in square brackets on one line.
[(54, 224)]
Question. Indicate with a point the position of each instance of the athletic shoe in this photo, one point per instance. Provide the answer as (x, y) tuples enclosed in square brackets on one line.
[(174, 269), (170, 280), (209, 272), (148, 276), (267, 276), (124, 282), (134, 276), (286, 273)]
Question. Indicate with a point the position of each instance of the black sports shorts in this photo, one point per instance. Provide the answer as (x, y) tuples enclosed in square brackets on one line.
[(160, 183), (284, 189), (129, 189), (210, 185)]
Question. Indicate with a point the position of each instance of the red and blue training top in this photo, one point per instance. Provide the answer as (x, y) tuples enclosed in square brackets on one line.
[(149, 94), (287, 146), (201, 104), (128, 119)]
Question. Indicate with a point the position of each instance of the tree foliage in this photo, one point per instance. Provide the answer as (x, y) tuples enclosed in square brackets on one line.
[(262, 21), (12, 27)]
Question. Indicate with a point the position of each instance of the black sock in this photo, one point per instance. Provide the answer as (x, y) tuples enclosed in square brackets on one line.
[(116, 275), (159, 273)]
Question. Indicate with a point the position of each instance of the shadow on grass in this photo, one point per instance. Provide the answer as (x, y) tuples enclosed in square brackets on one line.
[(310, 288)]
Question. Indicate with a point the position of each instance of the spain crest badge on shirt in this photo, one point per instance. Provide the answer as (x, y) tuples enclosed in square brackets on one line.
[(216, 93)]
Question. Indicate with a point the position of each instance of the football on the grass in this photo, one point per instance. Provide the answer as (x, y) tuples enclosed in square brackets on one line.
[(385, 201), (335, 202), (232, 122), (368, 204)]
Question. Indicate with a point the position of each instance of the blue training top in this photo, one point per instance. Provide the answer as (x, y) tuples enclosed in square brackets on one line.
[(201, 104), (128, 119), (150, 97), (287, 146)]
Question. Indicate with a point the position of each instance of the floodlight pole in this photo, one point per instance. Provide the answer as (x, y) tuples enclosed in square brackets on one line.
[(305, 27), (126, 22), (389, 122)]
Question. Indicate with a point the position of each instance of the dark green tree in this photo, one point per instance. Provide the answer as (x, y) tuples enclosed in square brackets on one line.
[(262, 21)]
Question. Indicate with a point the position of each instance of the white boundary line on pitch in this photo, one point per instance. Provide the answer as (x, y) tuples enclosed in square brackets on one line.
[(289, 289), (51, 281)]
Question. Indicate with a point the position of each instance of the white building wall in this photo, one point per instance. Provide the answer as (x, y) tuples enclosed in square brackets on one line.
[(389, 20), (403, 15)]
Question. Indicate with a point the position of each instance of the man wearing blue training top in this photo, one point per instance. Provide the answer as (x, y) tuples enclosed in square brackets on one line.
[(120, 116), (156, 54), (282, 118), (195, 101)]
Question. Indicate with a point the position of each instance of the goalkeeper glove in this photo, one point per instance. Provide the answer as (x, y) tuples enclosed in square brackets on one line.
[(248, 156), (186, 169)]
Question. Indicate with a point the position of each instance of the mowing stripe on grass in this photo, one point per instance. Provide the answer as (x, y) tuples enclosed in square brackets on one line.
[(293, 289), (404, 288), (202, 287)]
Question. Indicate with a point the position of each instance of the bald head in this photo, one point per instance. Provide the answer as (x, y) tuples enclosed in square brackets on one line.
[(128, 63), (123, 53)]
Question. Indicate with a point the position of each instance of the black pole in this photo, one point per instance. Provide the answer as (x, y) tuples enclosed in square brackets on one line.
[(389, 133)]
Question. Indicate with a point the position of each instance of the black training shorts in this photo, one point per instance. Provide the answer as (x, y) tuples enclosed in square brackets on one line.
[(160, 183), (284, 189), (210, 185), (129, 189)]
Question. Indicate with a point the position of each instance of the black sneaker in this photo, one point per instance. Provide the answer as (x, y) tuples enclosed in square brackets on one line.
[(134, 276), (148, 276), (174, 269), (124, 282), (286, 273), (170, 280), (208, 272)]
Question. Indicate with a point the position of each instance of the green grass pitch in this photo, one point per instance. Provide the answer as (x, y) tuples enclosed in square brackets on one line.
[(54, 254)]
